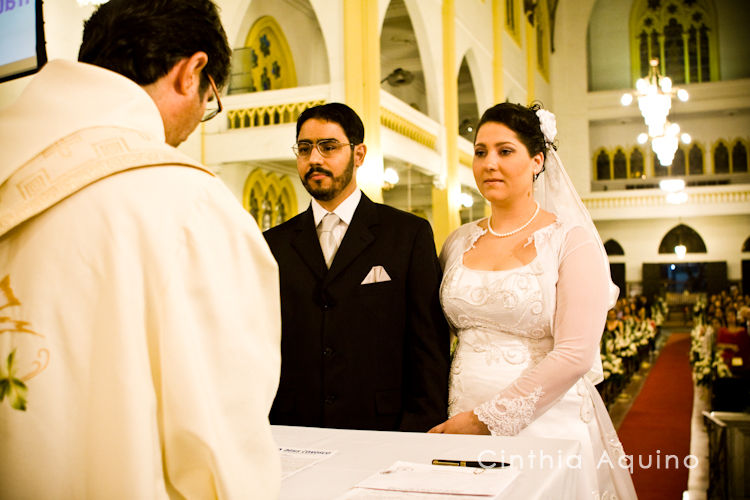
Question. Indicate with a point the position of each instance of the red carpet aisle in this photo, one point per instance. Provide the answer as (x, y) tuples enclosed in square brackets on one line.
[(658, 424)]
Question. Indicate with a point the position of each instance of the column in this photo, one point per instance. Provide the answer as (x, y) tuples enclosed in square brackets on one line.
[(362, 86), (446, 198), (498, 27), (530, 59)]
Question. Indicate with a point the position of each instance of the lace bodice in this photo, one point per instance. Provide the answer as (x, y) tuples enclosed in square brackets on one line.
[(525, 335), (488, 300)]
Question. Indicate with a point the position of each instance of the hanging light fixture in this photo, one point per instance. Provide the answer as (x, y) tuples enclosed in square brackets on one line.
[(390, 178), (654, 94), (675, 190), (467, 201), (680, 250)]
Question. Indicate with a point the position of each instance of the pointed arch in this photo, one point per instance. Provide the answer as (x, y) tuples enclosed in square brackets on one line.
[(679, 163), (513, 19), (402, 72), (682, 35), (468, 109), (739, 157), (542, 27), (721, 158), (637, 162), (620, 164), (695, 160), (612, 247), (746, 245), (682, 235), (602, 165), (269, 198), (265, 62)]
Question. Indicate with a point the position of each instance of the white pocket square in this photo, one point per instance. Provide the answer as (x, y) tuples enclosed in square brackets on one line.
[(376, 275)]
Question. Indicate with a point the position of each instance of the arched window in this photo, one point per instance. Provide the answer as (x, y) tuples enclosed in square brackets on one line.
[(620, 165), (695, 160), (270, 199), (721, 159), (637, 169), (541, 20), (468, 110), (401, 71), (674, 51), (613, 248), (678, 162), (739, 158), (659, 169), (265, 63), (746, 245), (682, 235), (680, 33), (511, 17), (603, 166)]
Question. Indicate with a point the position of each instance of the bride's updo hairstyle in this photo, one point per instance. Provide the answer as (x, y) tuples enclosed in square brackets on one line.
[(521, 120)]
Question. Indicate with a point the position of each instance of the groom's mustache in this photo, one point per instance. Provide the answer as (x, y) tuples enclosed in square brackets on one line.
[(317, 170)]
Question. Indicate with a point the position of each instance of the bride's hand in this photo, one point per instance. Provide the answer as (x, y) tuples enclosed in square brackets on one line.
[(462, 423)]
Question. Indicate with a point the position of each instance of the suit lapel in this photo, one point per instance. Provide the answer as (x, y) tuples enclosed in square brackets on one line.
[(358, 237), (307, 245)]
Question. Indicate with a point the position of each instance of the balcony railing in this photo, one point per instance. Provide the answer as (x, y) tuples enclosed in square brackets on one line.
[(653, 182)]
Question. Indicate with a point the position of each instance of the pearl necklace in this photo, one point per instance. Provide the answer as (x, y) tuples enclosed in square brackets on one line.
[(511, 233)]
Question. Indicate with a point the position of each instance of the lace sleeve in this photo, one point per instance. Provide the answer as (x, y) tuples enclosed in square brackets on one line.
[(580, 313), (508, 416)]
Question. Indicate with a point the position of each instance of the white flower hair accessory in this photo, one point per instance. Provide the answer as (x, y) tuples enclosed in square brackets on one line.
[(548, 124)]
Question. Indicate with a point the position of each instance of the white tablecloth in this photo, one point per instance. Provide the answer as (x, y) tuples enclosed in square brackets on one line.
[(548, 465)]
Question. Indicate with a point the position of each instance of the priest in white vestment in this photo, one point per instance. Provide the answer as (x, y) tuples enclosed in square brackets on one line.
[(139, 309)]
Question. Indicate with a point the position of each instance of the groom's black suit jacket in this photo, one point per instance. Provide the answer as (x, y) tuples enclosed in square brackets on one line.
[(373, 356)]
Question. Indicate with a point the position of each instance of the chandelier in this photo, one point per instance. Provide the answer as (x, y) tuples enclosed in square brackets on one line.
[(654, 94)]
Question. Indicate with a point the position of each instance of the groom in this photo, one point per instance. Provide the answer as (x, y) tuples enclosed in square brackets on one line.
[(364, 341)]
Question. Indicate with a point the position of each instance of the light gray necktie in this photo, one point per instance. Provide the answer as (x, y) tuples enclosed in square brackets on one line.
[(328, 242)]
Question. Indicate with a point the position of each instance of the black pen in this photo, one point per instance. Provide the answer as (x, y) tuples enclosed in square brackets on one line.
[(469, 463)]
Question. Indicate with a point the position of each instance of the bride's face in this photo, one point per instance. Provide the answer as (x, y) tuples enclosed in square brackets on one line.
[(503, 169)]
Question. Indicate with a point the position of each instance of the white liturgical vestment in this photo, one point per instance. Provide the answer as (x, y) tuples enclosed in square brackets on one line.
[(139, 306)]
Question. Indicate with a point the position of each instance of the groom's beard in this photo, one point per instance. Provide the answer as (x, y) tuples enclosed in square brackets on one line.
[(338, 184)]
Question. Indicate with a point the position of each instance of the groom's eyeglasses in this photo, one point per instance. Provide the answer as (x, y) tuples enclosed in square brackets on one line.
[(326, 148)]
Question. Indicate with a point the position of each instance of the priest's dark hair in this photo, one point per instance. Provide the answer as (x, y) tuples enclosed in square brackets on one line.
[(339, 113), (143, 40)]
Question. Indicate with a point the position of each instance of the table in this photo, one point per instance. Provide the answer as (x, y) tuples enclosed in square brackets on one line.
[(362, 453)]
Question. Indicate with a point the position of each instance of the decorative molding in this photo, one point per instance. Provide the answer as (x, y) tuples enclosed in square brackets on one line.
[(262, 116), (658, 199), (406, 128)]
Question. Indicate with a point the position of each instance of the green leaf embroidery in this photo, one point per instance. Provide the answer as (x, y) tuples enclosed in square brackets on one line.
[(12, 387)]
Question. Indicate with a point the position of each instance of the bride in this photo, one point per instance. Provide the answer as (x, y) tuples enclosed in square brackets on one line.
[(527, 291)]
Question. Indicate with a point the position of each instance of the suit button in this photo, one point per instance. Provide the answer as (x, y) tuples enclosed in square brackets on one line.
[(327, 352), (330, 399), (326, 307)]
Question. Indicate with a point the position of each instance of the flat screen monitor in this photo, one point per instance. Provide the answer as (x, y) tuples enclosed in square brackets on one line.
[(22, 49)]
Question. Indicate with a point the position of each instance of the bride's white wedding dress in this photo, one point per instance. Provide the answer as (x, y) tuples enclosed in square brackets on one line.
[(528, 348)]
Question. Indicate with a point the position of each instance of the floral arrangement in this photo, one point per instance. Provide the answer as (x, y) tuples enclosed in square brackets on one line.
[(707, 364), (621, 346), (659, 310)]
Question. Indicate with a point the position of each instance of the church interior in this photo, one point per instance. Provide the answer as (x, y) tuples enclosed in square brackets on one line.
[(666, 183)]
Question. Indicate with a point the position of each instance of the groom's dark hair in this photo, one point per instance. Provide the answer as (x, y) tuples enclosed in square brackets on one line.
[(339, 113)]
